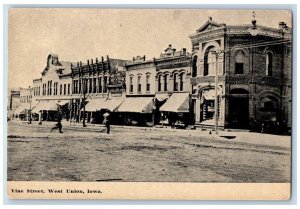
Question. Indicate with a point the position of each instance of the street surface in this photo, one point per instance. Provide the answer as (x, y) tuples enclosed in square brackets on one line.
[(145, 154)]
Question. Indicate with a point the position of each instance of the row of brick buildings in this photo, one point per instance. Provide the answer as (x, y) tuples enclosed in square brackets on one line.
[(252, 64)]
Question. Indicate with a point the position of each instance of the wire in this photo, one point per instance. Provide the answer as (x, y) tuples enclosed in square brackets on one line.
[(268, 43)]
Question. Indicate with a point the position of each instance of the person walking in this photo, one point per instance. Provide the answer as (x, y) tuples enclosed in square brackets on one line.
[(58, 126), (107, 122)]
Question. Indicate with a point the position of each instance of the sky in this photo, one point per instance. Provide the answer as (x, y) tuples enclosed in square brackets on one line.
[(80, 34)]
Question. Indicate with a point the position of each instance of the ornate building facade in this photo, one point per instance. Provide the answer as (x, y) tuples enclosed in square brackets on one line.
[(253, 65), (66, 88), (159, 86)]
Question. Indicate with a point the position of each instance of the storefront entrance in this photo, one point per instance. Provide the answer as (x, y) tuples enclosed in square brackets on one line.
[(239, 109)]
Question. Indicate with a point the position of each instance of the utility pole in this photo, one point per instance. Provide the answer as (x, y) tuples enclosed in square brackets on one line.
[(83, 101), (217, 53), (216, 95), (30, 105)]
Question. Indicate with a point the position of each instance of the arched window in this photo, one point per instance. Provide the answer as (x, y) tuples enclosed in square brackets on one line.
[(131, 84), (194, 73), (269, 64), (239, 62), (139, 84), (175, 80), (209, 59), (181, 82), (147, 83), (166, 82), (159, 82)]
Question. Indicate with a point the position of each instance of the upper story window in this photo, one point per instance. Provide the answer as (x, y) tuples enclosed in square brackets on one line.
[(65, 89), (68, 88), (55, 88), (131, 84), (94, 85), (139, 84), (159, 82), (90, 85), (147, 83), (181, 82), (269, 64), (60, 90), (165, 82), (79, 86), (194, 68), (175, 77), (239, 62), (209, 62)]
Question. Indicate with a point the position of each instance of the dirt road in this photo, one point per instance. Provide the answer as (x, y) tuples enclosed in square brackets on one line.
[(144, 155)]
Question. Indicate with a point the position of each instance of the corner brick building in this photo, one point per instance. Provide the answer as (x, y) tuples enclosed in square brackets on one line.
[(254, 75)]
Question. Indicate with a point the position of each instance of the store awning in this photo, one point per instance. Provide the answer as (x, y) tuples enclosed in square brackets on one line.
[(25, 106), (21, 109), (113, 103), (94, 105), (49, 105), (137, 104), (178, 102), (62, 102)]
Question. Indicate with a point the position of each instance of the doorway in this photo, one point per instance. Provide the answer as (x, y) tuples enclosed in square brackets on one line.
[(239, 109)]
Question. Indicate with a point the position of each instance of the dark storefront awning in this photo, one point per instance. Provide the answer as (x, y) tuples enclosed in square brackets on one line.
[(137, 104), (178, 102)]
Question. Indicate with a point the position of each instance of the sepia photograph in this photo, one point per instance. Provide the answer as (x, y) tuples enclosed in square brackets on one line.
[(159, 97)]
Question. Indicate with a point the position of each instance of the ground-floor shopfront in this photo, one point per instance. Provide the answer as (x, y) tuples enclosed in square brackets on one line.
[(239, 107)]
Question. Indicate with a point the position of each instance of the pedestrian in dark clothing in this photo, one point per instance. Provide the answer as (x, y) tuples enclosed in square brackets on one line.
[(58, 126), (107, 124)]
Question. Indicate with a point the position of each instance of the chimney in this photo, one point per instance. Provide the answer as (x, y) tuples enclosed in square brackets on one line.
[(102, 59), (92, 61), (88, 62), (144, 57), (77, 64), (209, 18), (80, 63), (133, 59), (183, 51), (96, 60)]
